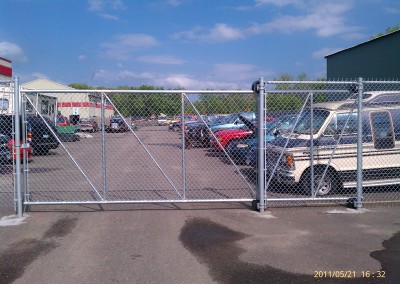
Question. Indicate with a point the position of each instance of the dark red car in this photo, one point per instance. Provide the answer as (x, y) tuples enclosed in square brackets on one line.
[(88, 124), (224, 137), (62, 121), (8, 150)]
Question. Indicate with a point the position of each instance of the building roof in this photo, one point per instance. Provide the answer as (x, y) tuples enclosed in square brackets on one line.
[(45, 84), (365, 42)]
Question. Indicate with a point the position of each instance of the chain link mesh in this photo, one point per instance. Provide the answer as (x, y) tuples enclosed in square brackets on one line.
[(135, 149), (6, 130), (311, 143), (156, 145)]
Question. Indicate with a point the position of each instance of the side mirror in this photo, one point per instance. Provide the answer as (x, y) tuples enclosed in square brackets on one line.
[(329, 131)]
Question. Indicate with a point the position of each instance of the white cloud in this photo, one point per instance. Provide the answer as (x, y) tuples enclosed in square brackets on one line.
[(121, 77), (101, 5), (161, 59), (82, 57), (179, 80), (108, 16), (124, 45), (174, 2), (234, 72), (392, 10), (12, 51), (219, 33), (278, 3), (325, 18), (320, 54), (187, 82), (38, 75)]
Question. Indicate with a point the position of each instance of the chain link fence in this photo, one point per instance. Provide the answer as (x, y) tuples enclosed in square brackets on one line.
[(312, 146), (6, 141), (141, 146), (136, 146)]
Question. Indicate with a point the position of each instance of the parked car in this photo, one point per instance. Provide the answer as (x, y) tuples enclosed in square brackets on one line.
[(175, 125), (41, 137), (117, 124), (162, 119), (88, 124), (62, 121), (8, 150), (38, 134), (334, 134), (13, 152), (199, 134), (133, 126), (228, 136), (245, 150), (233, 121)]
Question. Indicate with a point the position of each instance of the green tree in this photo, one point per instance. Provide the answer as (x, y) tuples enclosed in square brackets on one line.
[(80, 86), (388, 31)]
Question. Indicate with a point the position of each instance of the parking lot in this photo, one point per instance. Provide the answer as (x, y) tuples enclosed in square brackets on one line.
[(143, 166), (135, 171), (178, 243)]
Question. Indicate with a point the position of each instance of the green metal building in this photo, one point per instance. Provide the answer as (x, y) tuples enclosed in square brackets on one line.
[(377, 59)]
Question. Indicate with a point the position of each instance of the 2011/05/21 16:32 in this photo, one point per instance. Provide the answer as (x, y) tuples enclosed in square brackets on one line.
[(349, 274)]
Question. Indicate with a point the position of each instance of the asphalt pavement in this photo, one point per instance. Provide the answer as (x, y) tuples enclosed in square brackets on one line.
[(200, 243)]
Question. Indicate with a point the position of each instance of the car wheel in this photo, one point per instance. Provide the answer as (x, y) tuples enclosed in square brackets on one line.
[(329, 184)]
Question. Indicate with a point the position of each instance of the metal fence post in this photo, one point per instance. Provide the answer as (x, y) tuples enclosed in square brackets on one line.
[(103, 147), (25, 147), (358, 203), (17, 147), (261, 147), (183, 145), (312, 173)]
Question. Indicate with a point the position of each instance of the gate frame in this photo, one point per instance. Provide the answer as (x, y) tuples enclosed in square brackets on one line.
[(103, 94)]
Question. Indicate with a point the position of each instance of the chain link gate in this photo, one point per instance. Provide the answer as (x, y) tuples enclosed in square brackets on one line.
[(318, 149), (128, 152), (154, 146), (7, 193)]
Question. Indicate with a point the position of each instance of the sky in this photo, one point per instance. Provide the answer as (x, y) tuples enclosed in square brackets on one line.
[(190, 44)]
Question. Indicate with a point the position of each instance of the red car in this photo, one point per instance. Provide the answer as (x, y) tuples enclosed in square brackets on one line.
[(63, 121), (13, 154), (88, 124), (226, 136)]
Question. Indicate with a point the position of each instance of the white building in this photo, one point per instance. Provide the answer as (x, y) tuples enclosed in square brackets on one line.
[(70, 105), (5, 69)]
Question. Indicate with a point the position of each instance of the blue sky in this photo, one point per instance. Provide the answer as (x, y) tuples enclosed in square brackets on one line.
[(191, 44)]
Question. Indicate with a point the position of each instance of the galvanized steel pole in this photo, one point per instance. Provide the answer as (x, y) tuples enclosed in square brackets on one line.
[(103, 147), (183, 145), (358, 203), (312, 173), (261, 147), (24, 147), (17, 147)]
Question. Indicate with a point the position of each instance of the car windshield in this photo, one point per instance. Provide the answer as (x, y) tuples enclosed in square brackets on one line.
[(229, 119), (304, 124)]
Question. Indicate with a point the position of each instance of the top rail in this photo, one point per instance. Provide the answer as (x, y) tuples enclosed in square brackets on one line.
[(248, 92)]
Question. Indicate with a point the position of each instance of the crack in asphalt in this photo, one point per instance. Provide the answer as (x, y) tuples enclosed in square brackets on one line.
[(19, 255), (216, 246)]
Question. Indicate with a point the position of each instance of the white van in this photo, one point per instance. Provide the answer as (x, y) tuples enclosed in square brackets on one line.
[(334, 138)]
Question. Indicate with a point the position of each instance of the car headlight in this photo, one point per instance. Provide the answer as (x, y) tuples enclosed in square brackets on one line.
[(287, 162)]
